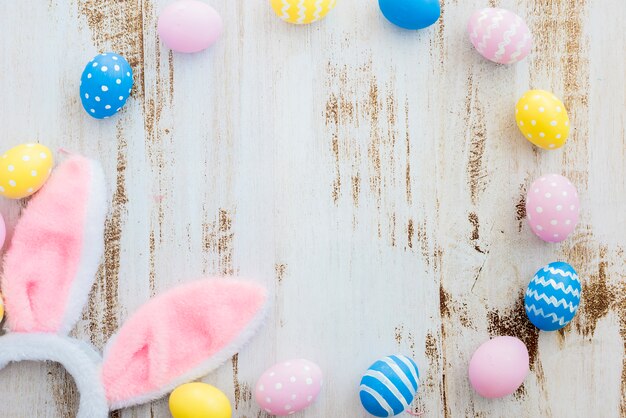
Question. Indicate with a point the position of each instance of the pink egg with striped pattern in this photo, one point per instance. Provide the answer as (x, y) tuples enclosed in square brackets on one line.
[(500, 35), (288, 387), (552, 207)]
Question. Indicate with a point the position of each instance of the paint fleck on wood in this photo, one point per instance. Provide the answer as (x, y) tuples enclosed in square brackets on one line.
[(280, 270), (452, 308), (242, 390), (398, 334), (218, 238), (117, 26), (475, 234), (520, 208), (103, 303), (477, 139), (64, 390), (514, 322), (360, 106), (407, 140), (356, 189), (373, 108), (597, 298), (236, 384), (152, 272), (429, 381)]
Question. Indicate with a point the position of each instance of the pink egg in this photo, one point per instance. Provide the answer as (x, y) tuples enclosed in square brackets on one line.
[(498, 367), (552, 207), (3, 231), (499, 35), (189, 26), (288, 387)]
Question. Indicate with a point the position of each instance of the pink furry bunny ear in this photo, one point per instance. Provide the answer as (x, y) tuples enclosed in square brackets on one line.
[(55, 252), (180, 336)]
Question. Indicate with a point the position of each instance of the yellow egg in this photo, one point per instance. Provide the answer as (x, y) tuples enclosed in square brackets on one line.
[(24, 169), (542, 119), (1, 309), (199, 400), (302, 12)]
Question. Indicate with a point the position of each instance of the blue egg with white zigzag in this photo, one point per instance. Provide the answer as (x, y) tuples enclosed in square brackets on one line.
[(389, 386), (105, 85), (553, 296)]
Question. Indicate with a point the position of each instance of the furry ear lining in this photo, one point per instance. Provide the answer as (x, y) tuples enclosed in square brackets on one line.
[(180, 336), (50, 265)]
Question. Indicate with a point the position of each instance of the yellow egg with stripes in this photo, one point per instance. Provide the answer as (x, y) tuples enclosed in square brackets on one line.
[(542, 119), (302, 12), (24, 169)]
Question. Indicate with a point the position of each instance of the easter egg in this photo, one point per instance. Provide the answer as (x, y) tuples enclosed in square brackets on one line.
[(24, 169), (3, 231), (411, 14), (302, 12), (288, 387), (189, 26), (552, 207), (389, 386), (542, 119), (105, 85), (499, 35), (498, 367), (199, 400), (553, 296)]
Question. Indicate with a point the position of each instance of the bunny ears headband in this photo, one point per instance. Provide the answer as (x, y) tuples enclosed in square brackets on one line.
[(49, 269)]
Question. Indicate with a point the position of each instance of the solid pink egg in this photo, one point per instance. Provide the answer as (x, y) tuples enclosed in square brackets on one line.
[(288, 387), (3, 231), (552, 207), (189, 26), (498, 367)]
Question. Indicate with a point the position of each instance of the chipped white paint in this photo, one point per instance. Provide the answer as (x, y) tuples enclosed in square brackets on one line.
[(368, 175)]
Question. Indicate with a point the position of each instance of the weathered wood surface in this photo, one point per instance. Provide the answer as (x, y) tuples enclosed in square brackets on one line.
[(373, 178)]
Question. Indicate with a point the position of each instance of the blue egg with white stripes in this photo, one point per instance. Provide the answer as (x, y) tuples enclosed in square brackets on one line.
[(553, 296), (389, 386), (105, 85)]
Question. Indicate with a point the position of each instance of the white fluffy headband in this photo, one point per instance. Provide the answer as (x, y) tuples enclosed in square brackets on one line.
[(49, 270)]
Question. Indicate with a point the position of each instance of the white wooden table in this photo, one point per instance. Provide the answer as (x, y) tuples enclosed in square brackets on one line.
[(372, 178)]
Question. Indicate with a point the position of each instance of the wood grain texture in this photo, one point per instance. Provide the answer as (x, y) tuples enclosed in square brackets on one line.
[(372, 178)]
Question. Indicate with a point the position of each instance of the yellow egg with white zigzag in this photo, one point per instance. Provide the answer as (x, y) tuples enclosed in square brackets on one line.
[(302, 12)]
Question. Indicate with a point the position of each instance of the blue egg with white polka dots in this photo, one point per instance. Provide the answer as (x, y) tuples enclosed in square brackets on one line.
[(105, 85)]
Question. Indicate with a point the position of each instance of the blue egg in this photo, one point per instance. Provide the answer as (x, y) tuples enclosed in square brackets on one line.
[(411, 14), (389, 386), (105, 85), (553, 296)]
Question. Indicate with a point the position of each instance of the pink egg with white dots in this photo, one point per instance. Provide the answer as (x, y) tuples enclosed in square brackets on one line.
[(552, 207), (288, 387)]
